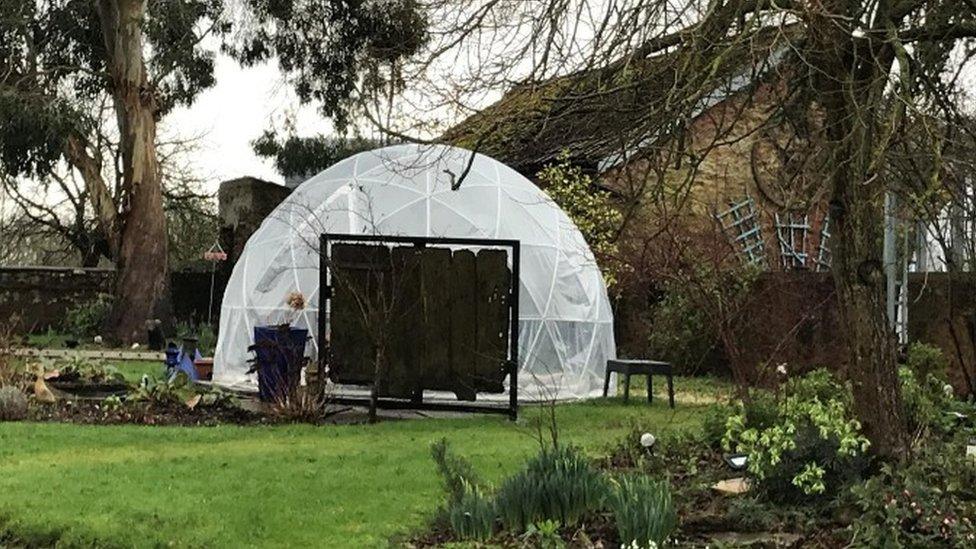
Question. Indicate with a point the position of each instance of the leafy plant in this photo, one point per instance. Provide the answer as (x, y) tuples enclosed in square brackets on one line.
[(591, 209), (112, 403), (697, 313), (643, 511), (930, 501), (82, 369), (206, 337), (456, 472), (87, 319), (304, 405), (544, 534), (161, 392), (713, 424), (472, 514), (923, 387), (927, 360), (557, 484), (799, 441), (681, 333)]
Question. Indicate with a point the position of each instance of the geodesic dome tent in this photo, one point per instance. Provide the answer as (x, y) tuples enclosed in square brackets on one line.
[(565, 321)]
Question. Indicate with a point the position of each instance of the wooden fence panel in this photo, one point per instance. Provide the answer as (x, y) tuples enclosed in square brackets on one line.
[(447, 319), (494, 281), (464, 321), (359, 273)]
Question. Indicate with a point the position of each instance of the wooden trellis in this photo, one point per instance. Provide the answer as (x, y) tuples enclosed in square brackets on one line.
[(791, 232), (741, 223), (823, 253)]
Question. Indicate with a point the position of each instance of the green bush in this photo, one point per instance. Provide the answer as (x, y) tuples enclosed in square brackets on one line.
[(558, 484), (87, 319), (800, 440), (643, 511), (927, 360), (681, 333), (713, 424), (472, 514), (13, 404), (929, 501), (923, 380)]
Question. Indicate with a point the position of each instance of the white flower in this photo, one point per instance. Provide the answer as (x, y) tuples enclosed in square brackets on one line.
[(948, 391), (781, 369)]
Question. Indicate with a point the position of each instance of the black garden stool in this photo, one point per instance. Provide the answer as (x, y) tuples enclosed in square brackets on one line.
[(642, 368)]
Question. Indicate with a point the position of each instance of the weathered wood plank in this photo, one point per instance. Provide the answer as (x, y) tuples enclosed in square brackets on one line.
[(405, 342), (435, 321), (494, 281), (94, 354), (359, 276), (463, 290)]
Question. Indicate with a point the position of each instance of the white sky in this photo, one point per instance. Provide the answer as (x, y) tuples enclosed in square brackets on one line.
[(229, 116)]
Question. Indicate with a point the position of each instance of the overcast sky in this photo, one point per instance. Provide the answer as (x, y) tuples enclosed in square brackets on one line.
[(227, 117)]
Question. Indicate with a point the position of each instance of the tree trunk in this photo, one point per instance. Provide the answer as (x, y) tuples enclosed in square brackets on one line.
[(90, 167), (142, 281), (850, 81), (860, 283)]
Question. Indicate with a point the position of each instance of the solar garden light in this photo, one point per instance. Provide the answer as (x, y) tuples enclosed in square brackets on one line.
[(737, 462), (647, 440)]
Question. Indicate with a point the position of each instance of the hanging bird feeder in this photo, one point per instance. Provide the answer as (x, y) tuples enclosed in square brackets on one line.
[(214, 255)]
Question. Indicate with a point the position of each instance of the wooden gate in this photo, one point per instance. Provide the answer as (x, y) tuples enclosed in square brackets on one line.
[(413, 314)]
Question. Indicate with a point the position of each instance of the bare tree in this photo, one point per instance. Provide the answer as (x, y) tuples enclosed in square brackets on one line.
[(852, 73)]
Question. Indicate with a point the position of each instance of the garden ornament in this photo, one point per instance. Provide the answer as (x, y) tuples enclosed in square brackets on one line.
[(732, 486), (41, 391), (647, 440)]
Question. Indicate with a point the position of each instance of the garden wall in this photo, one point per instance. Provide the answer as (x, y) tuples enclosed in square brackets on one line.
[(792, 318), (41, 296)]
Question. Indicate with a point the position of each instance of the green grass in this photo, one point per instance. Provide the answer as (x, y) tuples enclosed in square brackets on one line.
[(131, 370), (283, 486)]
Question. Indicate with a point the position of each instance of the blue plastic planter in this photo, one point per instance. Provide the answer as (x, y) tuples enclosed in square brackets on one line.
[(276, 348)]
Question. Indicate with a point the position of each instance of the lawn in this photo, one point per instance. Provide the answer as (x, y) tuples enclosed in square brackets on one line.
[(297, 485)]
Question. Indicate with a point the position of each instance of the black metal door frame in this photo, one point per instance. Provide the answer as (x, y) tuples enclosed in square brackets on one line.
[(325, 295)]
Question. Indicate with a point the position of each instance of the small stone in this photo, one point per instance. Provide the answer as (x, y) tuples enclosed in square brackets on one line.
[(732, 486)]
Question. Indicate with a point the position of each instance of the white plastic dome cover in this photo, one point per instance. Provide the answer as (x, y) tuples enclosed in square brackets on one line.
[(565, 321)]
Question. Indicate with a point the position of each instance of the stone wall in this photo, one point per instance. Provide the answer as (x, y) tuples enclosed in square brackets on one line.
[(40, 297), (243, 205)]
